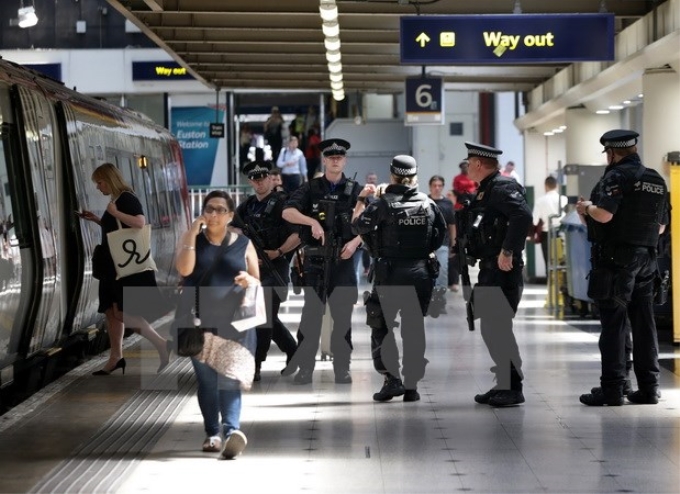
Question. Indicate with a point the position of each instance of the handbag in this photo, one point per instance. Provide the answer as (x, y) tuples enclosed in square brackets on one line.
[(252, 311), (189, 333), (131, 250)]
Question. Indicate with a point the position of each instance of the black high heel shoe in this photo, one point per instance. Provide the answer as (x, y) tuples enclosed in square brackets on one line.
[(119, 365)]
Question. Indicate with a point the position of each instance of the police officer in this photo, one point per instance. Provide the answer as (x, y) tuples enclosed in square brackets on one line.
[(259, 218), (402, 229), (625, 215), (495, 224), (324, 207)]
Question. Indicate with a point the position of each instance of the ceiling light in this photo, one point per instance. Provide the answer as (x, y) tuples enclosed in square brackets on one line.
[(332, 43), (329, 12), (627, 102), (331, 29), (337, 86), (616, 107), (557, 131), (602, 112), (333, 56), (335, 67), (338, 95), (547, 133), (27, 17), (335, 77), (641, 95), (563, 127)]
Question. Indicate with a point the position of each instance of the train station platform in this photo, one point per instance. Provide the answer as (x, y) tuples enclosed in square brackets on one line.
[(141, 432)]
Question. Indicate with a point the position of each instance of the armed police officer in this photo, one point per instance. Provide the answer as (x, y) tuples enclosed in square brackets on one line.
[(324, 207), (402, 229), (625, 215), (494, 228), (260, 218)]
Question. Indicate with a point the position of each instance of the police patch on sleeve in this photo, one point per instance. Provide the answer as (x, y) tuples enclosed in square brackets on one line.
[(611, 187)]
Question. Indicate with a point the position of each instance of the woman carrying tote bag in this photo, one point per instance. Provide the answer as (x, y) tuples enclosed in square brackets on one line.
[(125, 210)]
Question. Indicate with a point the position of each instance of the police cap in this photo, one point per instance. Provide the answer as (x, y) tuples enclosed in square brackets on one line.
[(404, 166), (619, 138), (257, 169), (482, 151), (334, 147)]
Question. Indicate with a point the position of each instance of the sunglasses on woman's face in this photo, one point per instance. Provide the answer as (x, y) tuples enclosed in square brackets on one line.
[(215, 209)]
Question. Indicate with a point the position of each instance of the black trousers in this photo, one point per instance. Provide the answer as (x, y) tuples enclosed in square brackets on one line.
[(496, 297), (631, 303), (273, 329), (341, 295), (403, 288)]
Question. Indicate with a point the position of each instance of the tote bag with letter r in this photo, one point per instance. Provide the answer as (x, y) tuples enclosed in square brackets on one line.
[(131, 250)]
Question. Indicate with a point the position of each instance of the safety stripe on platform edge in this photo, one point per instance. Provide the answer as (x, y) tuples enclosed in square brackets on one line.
[(103, 463)]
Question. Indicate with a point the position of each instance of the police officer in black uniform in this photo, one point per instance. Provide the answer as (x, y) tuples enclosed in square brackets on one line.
[(259, 217), (625, 215), (495, 224), (401, 230), (324, 207)]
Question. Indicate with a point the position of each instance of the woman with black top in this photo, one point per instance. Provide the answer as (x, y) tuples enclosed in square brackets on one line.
[(126, 208), (226, 365)]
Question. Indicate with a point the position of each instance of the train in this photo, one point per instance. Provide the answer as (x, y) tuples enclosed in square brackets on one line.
[(52, 138)]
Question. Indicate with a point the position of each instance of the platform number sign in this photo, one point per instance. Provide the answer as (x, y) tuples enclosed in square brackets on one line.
[(424, 101)]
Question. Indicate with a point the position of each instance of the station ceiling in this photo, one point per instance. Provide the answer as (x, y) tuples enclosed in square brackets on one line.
[(278, 45)]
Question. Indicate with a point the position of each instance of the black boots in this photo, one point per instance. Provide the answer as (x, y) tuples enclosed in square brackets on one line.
[(641, 397), (608, 395), (392, 387)]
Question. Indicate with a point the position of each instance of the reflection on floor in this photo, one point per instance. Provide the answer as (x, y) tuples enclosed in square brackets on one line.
[(327, 437)]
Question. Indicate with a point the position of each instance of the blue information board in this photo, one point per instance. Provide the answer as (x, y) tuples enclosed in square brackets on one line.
[(507, 39)]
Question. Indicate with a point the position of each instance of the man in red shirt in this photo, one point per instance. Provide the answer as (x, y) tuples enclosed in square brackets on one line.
[(463, 186)]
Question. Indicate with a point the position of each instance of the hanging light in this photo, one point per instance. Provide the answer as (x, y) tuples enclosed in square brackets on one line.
[(332, 43), (328, 11), (337, 86), (335, 77), (335, 67), (331, 29), (333, 56), (339, 95), (26, 16)]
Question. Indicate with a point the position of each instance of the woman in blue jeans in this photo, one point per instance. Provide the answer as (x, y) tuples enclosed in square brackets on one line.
[(226, 364)]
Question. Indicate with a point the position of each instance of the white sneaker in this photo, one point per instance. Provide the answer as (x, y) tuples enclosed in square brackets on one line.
[(234, 445), (212, 444)]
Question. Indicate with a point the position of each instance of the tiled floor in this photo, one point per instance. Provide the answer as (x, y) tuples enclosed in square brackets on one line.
[(328, 438)]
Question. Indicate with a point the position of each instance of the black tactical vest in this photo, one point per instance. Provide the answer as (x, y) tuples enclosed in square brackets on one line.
[(262, 218), (636, 221), (344, 198), (486, 226), (407, 232)]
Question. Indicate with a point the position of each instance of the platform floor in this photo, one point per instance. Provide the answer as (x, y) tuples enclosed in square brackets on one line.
[(139, 432)]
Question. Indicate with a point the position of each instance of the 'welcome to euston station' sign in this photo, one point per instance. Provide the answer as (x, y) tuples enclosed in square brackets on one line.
[(507, 39)]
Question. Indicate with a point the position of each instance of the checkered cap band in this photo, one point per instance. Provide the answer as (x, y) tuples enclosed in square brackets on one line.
[(335, 149), (620, 144), (403, 171), (482, 153)]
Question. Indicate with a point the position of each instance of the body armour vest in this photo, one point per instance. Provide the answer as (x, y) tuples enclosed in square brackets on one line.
[(344, 198), (636, 222), (408, 231), (485, 226), (263, 218)]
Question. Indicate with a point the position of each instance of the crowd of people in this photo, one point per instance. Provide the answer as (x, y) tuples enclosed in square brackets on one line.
[(324, 226)]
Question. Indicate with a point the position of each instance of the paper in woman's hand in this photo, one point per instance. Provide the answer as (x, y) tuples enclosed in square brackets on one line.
[(251, 312)]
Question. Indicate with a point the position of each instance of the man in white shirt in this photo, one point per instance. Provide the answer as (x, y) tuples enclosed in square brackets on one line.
[(550, 204), (293, 166), (509, 171)]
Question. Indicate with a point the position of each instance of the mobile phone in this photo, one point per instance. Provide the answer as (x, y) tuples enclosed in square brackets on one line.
[(78, 213)]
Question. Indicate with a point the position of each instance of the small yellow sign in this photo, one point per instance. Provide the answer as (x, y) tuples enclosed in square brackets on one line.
[(447, 39)]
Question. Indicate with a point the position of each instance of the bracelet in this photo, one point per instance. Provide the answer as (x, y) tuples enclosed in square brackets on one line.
[(362, 200), (280, 252), (188, 247)]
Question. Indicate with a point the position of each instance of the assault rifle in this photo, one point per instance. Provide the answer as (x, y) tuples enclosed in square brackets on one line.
[(330, 249), (254, 237), (461, 248)]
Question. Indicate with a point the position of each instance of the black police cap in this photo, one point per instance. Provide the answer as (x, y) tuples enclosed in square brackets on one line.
[(404, 166), (334, 147), (619, 138), (482, 151), (257, 169)]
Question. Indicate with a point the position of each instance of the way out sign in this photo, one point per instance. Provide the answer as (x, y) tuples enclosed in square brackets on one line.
[(424, 101)]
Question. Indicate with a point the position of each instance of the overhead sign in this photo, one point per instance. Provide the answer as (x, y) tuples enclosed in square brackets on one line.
[(52, 70), (216, 130), (159, 71), (507, 39), (424, 101)]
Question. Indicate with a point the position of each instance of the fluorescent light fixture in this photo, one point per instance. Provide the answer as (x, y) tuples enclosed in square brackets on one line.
[(329, 12), (557, 131), (563, 127), (331, 29), (335, 67), (332, 43), (333, 56), (27, 17), (547, 133), (616, 107), (641, 95), (627, 102), (337, 86), (602, 112), (335, 77), (338, 95)]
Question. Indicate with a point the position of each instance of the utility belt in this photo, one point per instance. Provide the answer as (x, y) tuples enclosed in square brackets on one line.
[(321, 252), (382, 266)]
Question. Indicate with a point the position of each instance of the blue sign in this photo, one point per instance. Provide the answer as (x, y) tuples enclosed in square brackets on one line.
[(52, 70), (159, 71), (191, 125), (507, 39), (424, 101)]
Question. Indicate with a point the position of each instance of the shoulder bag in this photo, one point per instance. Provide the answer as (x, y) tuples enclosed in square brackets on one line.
[(131, 250)]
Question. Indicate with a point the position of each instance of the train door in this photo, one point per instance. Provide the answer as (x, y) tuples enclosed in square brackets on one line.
[(40, 135)]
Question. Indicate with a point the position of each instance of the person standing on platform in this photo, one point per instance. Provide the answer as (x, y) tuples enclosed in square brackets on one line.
[(550, 204), (259, 219), (273, 132), (402, 229), (293, 166), (323, 206), (510, 172), (495, 226), (446, 207), (626, 213), (463, 186)]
